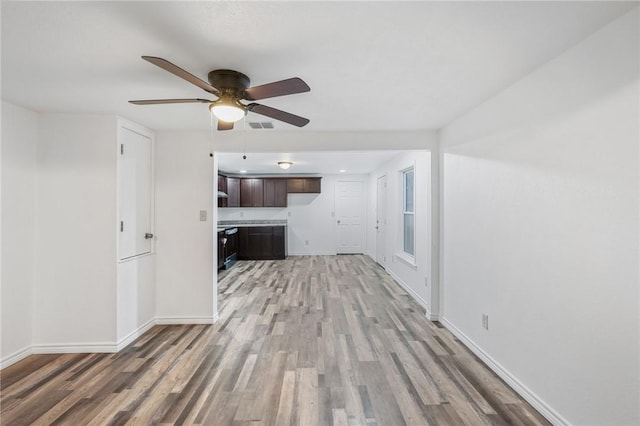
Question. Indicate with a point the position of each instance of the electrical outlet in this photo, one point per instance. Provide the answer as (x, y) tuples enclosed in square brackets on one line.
[(289, 214), (426, 281), (485, 321), (203, 215)]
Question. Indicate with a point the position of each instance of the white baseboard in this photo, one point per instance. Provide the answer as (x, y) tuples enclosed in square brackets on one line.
[(186, 320), (543, 408), (409, 290), (430, 316), (15, 357), (314, 253), (72, 348), (125, 341), (104, 347)]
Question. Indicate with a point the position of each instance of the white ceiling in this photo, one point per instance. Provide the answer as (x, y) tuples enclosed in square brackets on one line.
[(324, 162), (372, 66)]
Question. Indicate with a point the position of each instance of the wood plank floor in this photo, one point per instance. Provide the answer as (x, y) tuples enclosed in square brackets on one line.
[(311, 340)]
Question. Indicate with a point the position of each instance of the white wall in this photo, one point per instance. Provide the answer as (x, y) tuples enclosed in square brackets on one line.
[(19, 150), (540, 215), (75, 291), (184, 245), (415, 276)]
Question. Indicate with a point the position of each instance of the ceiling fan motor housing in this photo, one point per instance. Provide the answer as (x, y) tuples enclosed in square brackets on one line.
[(229, 79)]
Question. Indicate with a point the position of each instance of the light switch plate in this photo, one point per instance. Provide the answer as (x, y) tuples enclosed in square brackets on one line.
[(203, 215)]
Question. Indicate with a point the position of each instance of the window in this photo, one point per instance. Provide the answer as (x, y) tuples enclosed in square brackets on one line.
[(408, 212)]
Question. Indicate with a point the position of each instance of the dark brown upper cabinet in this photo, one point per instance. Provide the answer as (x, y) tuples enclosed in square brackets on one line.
[(233, 192), (303, 185), (251, 192), (275, 192), (222, 187)]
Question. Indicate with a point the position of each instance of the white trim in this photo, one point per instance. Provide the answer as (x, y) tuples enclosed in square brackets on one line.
[(15, 357), (406, 258), (102, 347), (543, 408), (186, 320), (70, 348), (125, 341), (314, 253), (412, 293)]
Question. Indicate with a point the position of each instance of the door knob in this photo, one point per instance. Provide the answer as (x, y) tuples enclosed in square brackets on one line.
[(148, 236)]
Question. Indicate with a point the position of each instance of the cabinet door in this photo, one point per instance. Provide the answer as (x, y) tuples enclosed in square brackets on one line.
[(278, 242), (251, 192), (257, 192), (246, 196), (134, 193), (280, 193), (233, 192), (295, 185), (312, 185), (275, 192), (269, 192), (221, 249), (303, 185), (265, 244), (243, 244), (222, 186)]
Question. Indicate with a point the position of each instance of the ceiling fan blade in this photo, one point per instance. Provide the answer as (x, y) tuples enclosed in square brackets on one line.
[(278, 114), (176, 70), (278, 88), (168, 101), (224, 125)]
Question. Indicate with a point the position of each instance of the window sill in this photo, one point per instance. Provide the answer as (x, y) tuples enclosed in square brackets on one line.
[(405, 258)]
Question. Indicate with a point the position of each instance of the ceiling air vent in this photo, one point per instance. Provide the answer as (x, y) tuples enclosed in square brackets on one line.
[(263, 125)]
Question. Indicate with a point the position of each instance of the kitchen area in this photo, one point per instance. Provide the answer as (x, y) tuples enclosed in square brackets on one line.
[(256, 239)]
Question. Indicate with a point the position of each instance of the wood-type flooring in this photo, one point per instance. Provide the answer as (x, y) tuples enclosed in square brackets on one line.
[(310, 340)]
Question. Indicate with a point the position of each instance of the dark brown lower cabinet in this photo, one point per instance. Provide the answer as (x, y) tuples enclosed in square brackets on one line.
[(221, 244), (261, 243)]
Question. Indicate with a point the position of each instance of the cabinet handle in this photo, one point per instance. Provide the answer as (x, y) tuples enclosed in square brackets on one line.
[(148, 236)]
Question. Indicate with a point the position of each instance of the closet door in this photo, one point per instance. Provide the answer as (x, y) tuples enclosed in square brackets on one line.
[(134, 193)]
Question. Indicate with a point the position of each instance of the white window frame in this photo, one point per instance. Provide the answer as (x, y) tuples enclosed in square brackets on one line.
[(403, 173)]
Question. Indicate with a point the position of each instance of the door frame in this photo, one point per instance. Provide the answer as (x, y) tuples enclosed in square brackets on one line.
[(381, 236)]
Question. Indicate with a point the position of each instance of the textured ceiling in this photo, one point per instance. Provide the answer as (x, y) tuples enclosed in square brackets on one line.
[(324, 162), (372, 66)]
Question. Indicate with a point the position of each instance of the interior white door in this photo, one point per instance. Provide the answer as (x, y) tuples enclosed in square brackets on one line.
[(381, 220), (134, 193), (350, 217)]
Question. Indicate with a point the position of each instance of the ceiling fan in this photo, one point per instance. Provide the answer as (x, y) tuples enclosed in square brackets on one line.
[(230, 87)]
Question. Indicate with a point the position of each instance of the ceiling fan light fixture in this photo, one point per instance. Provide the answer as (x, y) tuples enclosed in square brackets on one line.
[(228, 110), (284, 165)]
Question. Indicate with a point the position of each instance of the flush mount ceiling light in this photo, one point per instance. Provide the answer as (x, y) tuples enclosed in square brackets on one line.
[(284, 165), (228, 109)]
